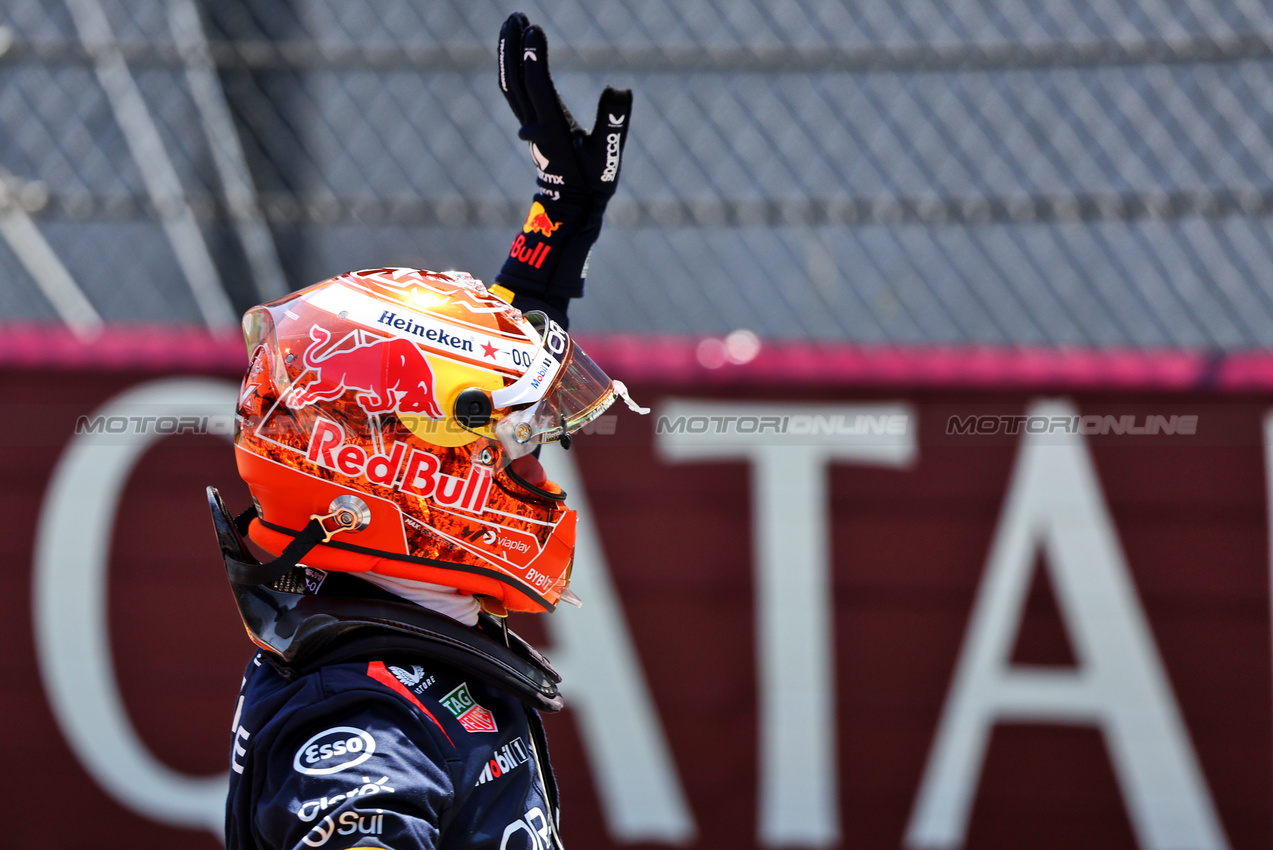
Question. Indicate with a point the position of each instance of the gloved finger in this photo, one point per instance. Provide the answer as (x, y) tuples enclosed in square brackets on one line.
[(548, 108), (610, 132), (613, 108), (511, 80)]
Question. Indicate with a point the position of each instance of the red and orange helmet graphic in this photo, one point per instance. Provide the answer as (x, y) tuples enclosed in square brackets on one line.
[(412, 401)]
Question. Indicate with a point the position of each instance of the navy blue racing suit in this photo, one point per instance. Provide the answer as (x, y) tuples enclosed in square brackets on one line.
[(377, 742)]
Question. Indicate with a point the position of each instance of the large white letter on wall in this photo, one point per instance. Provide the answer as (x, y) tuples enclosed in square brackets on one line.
[(637, 784), (69, 607), (1055, 502), (789, 447)]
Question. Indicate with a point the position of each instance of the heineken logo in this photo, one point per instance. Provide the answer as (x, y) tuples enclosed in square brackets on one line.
[(473, 717)]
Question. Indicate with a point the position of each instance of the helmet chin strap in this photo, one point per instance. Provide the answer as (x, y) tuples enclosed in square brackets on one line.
[(241, 566), (349, 513)]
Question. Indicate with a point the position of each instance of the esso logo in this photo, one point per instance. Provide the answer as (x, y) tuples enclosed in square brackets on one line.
[(333, 750)]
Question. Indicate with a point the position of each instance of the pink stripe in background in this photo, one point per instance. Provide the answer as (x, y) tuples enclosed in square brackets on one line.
[(681, 361)]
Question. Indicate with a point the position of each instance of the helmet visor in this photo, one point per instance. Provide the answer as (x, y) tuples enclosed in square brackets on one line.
[(573, 391)]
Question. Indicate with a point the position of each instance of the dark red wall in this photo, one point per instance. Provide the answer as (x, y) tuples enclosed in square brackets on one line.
[(908, 548)]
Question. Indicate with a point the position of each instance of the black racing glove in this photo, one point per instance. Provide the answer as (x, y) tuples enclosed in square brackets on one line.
[(577, 172)]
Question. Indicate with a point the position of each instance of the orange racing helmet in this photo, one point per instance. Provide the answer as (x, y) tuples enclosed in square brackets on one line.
[(400, 409)]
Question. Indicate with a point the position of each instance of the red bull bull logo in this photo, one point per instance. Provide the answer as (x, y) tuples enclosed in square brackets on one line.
[(388, 375), (537, 221)]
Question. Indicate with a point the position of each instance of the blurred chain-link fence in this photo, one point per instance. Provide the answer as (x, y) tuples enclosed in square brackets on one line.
[(1055, 172)]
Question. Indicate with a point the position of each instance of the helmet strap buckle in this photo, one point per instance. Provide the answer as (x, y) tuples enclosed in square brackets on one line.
[(349, 513)]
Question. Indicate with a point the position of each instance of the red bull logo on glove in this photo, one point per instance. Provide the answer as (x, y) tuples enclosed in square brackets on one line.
[(537, 221), (388, 374)]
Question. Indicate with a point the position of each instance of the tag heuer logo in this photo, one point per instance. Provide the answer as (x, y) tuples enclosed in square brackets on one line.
[(473, 717)]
